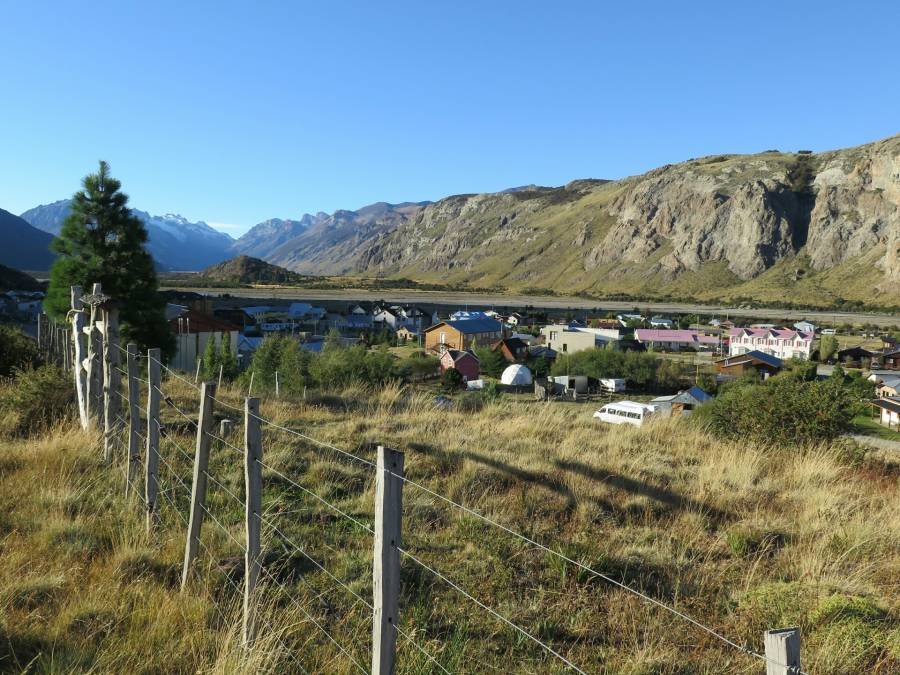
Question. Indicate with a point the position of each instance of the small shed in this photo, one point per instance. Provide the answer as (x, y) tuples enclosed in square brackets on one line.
[(462, 360), (682, 403)]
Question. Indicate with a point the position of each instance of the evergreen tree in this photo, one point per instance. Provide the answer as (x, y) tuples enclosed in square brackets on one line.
[(210, 367), (101, 241), (227, 358)]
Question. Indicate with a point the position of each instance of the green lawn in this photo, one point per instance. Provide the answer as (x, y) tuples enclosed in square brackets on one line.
[(868, 426)]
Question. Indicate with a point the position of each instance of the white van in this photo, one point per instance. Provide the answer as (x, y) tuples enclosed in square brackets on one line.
[(612, 384), (626, 412)]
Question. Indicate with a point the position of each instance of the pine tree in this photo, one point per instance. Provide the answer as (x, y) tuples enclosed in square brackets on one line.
[(210, 364), (101, 241), (227, 359)]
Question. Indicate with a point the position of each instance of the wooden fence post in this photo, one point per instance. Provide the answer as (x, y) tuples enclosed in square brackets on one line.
[(94, 371), (134, 416), (250, 388), (386, 562), (198, 488), (197, 373), (253, 492), (112, 381), (277, 387), (783, 650), (151, 462), (78, 343), (221, 371), (40, 333)]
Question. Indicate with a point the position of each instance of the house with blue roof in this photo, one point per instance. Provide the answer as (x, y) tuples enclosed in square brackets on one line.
[(463, 334)]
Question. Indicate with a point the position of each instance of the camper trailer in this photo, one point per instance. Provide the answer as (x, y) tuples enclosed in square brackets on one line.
[(612, 385), (626, 412)]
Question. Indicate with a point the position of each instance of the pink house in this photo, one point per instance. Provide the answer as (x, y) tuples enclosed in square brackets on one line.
[(785, 343), (675, 339), (465, 362)]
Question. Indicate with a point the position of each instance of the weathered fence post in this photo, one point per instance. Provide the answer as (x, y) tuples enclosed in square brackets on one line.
[(94, 371), (78, 359), (783, 651), (198, 488), (40, 333), (225, 427), (151, 462), (112, 380), (277, 387), (134, 416), (253, 492), (197, 373), (250, 387), (386, 562), (221, 371)]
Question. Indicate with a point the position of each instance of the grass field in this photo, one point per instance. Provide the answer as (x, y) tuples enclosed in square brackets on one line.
[(870, 427), (740, 537)]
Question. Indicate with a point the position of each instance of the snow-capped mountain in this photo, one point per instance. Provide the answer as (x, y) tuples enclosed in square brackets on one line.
[(174, 241)]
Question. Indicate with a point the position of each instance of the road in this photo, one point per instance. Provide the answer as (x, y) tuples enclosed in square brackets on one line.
[(498, 300), (876, 442)]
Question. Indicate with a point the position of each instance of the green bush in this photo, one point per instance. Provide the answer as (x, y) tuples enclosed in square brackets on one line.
[(36, 399), (451, 380), (784, 409), (17, 351)]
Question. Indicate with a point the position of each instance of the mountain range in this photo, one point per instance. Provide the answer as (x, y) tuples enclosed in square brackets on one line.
[(809, 227)]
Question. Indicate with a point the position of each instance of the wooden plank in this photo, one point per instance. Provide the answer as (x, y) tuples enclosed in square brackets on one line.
[(253, 511), (386, 559), (782, 651), (112, 382), (198, 487), (151, 461), (134, 417), (79, 346)]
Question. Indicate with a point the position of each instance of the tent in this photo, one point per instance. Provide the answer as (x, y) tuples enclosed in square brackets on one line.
[(516, 374)]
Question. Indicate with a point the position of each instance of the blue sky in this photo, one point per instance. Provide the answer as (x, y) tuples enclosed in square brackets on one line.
[(237, 112)]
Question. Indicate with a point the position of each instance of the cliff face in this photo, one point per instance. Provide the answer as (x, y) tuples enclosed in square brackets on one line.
[(731, 222)]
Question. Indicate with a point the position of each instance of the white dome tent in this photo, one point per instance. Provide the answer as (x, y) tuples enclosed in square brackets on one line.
[(516, 374)]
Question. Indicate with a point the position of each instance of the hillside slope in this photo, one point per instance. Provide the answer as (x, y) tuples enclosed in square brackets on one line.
[(247, 270), (810, 227), (173, 240), (25, 247), (332, 245)]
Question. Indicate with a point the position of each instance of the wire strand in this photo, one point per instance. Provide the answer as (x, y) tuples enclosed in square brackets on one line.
[(491, 610)]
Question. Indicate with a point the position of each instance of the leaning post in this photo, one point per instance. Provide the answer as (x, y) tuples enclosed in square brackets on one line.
[(78, 344), (198, 487), (253, 512), (151, 462), (134, 416), (386, 559), (112, 379)]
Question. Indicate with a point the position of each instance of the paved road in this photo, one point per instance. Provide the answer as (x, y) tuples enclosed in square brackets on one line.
[(876, 442), (498, 300)]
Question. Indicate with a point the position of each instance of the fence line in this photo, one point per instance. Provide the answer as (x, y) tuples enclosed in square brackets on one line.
[(102, 358)]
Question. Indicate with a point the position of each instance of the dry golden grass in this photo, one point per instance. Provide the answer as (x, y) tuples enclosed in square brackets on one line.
[(741, 537)]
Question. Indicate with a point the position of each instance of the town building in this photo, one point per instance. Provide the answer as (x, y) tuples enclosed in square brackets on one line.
[(682, 403), (805, 326), (513, 349), (890, 360), (193, 330), (784, 343), (676, 339), (462, 334), (888, 412), (570, 338), (762, 364), (887, 386), (661, 322), (464, 361)]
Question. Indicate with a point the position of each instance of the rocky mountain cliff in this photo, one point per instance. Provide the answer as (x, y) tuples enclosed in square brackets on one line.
[(332, 244), (820, 226), (173, 241)]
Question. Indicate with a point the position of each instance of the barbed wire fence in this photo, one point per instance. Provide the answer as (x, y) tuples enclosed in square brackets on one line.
[(110, 397)]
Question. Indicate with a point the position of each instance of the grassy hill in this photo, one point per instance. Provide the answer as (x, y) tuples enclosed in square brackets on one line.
[(247, 270), (741, 537)]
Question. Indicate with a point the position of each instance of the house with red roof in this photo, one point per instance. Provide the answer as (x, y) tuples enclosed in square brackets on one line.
[(785, 343)]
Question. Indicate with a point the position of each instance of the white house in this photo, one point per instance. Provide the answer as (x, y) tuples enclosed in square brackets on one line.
[(805, 326), (661, 322), (566, 338), (781, 342), (305, 311)]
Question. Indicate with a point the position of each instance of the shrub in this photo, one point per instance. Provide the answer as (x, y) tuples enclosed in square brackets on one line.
[(638, 368), (36, 399), (17, 351), (451, 380), (785, 410)]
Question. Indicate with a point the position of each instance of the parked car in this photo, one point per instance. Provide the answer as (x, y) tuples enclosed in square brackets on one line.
[(626, 412)]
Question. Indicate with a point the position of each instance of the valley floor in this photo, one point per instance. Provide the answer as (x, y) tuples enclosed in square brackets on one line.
[(741, 537), (458, 299)]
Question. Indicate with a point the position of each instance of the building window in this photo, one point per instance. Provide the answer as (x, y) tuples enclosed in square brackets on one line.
[(565, 347)]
